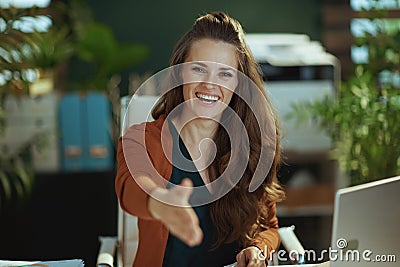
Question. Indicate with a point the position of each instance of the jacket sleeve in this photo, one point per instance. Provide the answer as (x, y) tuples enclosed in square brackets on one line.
[(132, 197), (269, 240)]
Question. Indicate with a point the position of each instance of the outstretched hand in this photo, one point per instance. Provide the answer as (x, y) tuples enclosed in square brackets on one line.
[(181, 219)]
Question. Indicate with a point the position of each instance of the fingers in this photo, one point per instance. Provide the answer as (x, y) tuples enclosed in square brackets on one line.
[(241, 259), (183, 191), (180, 218), (187, 182), (193, 233), (192, 236), (185, 225), (248, 257)]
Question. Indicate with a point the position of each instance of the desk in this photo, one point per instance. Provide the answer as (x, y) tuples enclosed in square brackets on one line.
[(62, 219)]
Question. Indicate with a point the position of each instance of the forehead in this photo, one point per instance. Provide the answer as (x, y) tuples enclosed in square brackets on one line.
[(214, 51)]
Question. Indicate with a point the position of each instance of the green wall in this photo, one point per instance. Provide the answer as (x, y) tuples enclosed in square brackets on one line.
[(159, 24)]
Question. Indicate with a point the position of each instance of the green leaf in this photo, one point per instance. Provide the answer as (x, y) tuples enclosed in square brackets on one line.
[(364, 102), (26, 180), (5, 184), (99, 47), (97, 44), (125, 56)]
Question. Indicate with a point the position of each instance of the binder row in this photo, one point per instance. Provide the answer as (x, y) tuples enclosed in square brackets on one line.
[(85, 132), (75, 131)]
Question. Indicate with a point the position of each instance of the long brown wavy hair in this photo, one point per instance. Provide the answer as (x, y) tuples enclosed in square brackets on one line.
[(240, 214)]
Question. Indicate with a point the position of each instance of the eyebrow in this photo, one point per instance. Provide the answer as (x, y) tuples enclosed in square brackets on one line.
[(205, 65)]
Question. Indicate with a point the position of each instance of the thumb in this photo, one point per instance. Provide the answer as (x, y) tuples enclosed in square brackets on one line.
[(185, 189)]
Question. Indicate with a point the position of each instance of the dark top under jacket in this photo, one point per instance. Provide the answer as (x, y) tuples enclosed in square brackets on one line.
[(177, 253)]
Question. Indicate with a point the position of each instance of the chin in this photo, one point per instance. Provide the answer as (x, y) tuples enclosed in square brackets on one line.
[(208, 114)]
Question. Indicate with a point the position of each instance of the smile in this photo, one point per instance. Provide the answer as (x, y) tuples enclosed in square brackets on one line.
[(207, 98)]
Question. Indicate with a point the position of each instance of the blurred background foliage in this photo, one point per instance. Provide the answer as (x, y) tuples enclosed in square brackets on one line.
[(363, 120), (30, 55)]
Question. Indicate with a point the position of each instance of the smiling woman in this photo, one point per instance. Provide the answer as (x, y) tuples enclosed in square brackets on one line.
[(218, 120), (215, 82)]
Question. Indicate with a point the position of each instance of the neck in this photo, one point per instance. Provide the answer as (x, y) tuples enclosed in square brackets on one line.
[(192, 131)]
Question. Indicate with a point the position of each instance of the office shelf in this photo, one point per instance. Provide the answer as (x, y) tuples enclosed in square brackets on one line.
[(314, 200)]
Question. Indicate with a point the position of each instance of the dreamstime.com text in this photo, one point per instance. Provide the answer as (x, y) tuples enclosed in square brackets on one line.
[(333, 255)]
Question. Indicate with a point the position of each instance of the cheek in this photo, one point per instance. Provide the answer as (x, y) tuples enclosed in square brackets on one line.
[(235, 83), (188, 91), (185, 92), (230, 83), (227, 96)]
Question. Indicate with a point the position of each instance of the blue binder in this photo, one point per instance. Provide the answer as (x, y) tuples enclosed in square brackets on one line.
[(71, 143), (97, 132)]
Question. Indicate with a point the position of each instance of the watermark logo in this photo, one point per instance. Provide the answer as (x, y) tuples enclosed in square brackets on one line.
[(342, 254), (341, 243)]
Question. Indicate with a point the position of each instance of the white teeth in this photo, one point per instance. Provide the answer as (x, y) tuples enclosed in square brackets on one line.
[(207, 97)]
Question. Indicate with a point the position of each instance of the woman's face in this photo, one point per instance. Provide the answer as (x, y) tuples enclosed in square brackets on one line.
[(210, 77)]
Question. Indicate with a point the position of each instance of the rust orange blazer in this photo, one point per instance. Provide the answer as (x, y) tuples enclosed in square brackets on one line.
[(143, 149)]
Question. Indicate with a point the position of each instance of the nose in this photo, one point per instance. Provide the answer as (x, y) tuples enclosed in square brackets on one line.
[(211, 79), (210, 85)]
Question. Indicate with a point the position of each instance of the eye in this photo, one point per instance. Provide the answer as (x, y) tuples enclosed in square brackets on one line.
[(199, 69), (226, 74)]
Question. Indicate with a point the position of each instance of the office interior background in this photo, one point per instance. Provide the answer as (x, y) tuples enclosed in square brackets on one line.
[(56, 206)]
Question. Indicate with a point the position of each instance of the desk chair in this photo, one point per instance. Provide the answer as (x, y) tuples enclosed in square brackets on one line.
[(124, 246)]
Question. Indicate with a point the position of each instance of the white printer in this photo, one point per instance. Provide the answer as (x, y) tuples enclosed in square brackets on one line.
[(296, 69)]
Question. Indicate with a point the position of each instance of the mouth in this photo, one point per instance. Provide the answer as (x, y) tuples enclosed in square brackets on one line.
[(208, 99)]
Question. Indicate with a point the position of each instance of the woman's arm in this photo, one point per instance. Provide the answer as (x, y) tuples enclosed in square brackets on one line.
[(181, 220), (264, 243), (133, 199), (269, 240)]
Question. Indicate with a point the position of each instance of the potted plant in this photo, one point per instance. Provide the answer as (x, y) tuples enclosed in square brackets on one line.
[(102, 56), (97, 47), (363, 120), (28, 57), (30, 62), (23, 55)]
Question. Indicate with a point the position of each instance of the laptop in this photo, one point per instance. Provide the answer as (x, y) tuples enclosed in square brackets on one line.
[(366, 225)]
